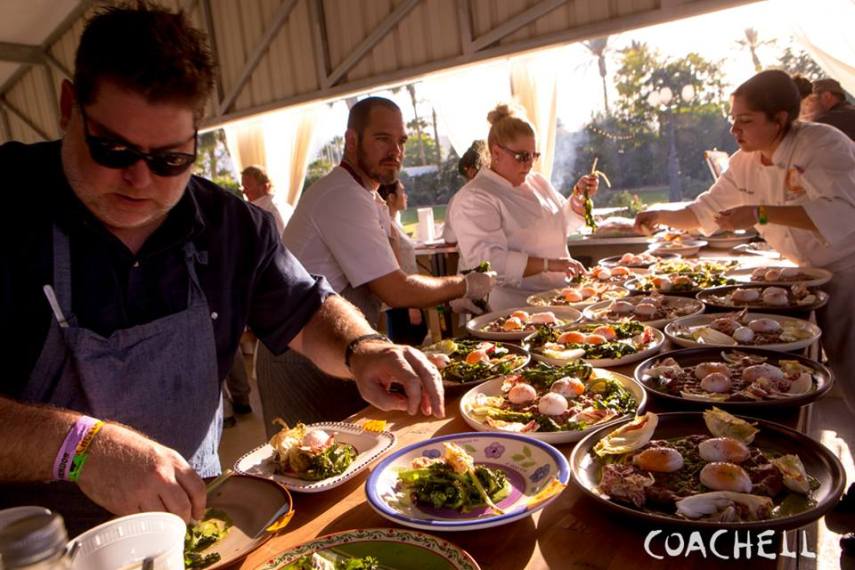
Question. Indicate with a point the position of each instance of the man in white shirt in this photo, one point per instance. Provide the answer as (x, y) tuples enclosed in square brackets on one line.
[(338, 231), (257, 188)]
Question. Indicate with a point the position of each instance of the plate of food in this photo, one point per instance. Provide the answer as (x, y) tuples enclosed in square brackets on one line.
[(709, 470), (686, 247), (782, 276), (515, 324), (242, 513), (760, 248), (793, 299), (467, 481), (464, 361), (636, 260), (655, 310), (316, 457), (601, 344), (688, 281), (578, 296), (614, 275), (374, 549), (729, 239), (700, 269), (735, 378), (555, 404), (760, 330)]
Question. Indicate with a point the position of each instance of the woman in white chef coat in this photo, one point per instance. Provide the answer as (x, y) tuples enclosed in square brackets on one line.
[(795, 183), (514, 218)]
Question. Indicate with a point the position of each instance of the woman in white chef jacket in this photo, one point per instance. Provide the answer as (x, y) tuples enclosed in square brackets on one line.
[(514, 218), (795, 183)]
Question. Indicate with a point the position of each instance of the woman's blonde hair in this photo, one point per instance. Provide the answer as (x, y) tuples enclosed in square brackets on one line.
[(507, 124)]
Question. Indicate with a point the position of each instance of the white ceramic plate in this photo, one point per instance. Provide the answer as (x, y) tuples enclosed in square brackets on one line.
[(760, 248), (609, 362), (615, 292), (686, 247), (494, 388), (730, 239), (818, 276), (705, 319), (530, 465), (597, 311), (567, 314), (369, 445)]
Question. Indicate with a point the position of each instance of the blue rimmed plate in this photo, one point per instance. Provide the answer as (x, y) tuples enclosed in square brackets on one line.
[(536, 470)]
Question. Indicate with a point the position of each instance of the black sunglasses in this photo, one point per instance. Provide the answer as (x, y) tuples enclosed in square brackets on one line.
[(520, 156), (117, 154)]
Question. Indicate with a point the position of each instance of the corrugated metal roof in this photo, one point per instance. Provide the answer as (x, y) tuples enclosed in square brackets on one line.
[(276, 53)]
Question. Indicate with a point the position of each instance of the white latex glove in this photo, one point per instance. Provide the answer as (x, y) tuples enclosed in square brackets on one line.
[(479, 285), (464, 305)]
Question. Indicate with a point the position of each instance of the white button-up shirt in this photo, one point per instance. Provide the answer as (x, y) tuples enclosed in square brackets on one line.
[(338, 230), (504, 225), (813, 167)]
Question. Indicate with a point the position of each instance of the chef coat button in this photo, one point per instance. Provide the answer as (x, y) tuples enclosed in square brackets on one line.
[(214, 315)]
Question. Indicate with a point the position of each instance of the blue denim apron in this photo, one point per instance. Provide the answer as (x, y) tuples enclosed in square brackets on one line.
[(159, 377)]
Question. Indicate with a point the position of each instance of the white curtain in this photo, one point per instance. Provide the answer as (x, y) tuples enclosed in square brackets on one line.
[(824, 28), (534, 80), (463, 98), (280, 143)]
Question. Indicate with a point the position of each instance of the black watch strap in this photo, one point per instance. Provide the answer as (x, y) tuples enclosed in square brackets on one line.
[(351, 346)]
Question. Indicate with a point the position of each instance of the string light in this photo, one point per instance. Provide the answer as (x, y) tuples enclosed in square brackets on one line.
[(608, 135)]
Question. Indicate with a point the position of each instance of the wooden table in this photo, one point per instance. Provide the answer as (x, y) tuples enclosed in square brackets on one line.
[(572, 532)]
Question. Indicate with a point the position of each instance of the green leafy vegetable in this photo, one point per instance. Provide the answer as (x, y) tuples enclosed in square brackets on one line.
[(211, 528)]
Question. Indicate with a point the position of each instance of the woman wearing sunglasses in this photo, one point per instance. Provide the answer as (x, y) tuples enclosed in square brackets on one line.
[(514, 218), (795, 183)]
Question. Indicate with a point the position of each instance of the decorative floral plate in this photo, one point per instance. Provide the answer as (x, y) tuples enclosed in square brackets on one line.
[(397, 548), (536, 471)]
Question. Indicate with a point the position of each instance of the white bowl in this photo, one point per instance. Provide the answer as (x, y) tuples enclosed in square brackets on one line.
[(125, 542)]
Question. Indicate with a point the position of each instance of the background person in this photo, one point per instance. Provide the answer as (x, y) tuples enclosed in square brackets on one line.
[(338, 231), (795, 184), (256, 186), (808, 107), (154, 274), (405, 325), (468, 166), (833, 109), (512, 217)]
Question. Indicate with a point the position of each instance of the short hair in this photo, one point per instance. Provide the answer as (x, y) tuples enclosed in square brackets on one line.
[(829, 85), (771, 92), (472, 158), (804, 85), (146, 49), (507, 124), (257, 173), (385, 190), (360, 113)]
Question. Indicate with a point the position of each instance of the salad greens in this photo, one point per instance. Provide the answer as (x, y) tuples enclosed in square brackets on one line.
[(211, 528), (618, 347), (330, 462), (439, 485), (318, 562), (309, 454), (463, 370)]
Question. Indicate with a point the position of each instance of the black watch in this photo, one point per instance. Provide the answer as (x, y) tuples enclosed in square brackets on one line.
[(351, 346)]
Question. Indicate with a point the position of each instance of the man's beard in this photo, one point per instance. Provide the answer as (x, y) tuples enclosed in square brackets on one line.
[(374, 173)]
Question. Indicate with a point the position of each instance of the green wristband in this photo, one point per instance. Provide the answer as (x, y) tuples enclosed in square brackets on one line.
[(77, 466)]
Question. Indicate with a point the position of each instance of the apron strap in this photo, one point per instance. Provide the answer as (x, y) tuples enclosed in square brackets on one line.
[(62, 271)]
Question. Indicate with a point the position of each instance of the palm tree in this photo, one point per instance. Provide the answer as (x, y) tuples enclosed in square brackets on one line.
[(752, 42), (598, 48), (411, 89)]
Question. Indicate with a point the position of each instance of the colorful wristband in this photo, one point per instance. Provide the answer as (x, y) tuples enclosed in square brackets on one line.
[(762, 215), (80, 455), (76, 443)]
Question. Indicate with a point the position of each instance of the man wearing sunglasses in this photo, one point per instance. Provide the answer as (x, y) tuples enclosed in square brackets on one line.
[(125, 284)]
